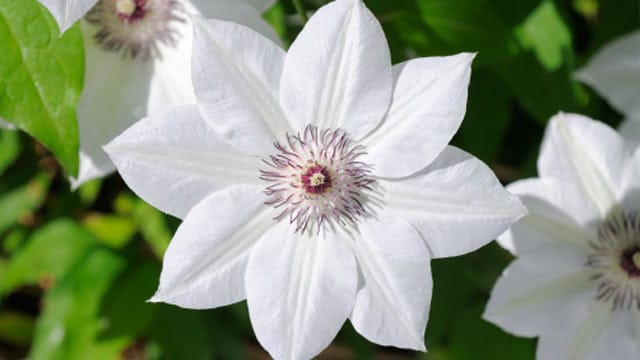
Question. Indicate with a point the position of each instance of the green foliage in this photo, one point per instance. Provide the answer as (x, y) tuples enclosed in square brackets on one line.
[(77, 268), (41, 77)]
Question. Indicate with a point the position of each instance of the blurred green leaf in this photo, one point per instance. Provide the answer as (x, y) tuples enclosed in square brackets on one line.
[(70, 323), (181, 334), (471, 25), (41, 77), (112, 230), (545, 32), (50, 253), (16, 328), (487, 116), (125, 304), (17, 204), (10, 147)]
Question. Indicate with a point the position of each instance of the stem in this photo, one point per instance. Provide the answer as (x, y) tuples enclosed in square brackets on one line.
[(300, 10)]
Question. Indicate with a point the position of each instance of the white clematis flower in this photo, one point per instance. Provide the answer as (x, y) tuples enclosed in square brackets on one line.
[(614, 72), (576, 280), (137, 61), (340, 217)]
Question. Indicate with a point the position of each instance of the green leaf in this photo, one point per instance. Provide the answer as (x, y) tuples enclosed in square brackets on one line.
[(471, 25), (10, 147), (112, 230), (181, 334), (19, 203), (545, 32), (41, 77), (70, 323), (49, 254)]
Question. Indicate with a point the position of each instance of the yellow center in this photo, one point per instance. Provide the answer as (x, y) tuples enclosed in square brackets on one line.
[(125, 7), (318, 179), (636, 259)]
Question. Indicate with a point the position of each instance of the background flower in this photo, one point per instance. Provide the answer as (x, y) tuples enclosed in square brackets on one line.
[(576, 280), (361, 187), (137, 61), (614, 72)]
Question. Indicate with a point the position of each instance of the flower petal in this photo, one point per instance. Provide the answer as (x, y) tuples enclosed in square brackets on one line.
[(614, 72), (630, 189), (428, 105), (392, 305), (300, 290), (113, 98), (587, 155), (236, 74), (456, 203), (558, 216), (67, 12), (540, 291), (601, 334), (245, 12), (173, 160), (205, 263), (338, 72), (630, 131)]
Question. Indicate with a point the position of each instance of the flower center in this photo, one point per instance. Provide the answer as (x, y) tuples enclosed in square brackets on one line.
[(135, 27), (615, 261), (317, 180)]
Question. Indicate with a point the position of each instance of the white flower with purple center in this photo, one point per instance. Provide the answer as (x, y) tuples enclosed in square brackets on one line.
[(137, 62), (576, 280), (317, 184), (614, 72)]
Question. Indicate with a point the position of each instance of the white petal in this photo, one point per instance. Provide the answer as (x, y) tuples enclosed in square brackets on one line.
[(205, 263), (300, 290), (67, 12), (630, 189), (630, 131), (614, 72), (236, 73), (559, 215), (429, 102), (338, 72), (6, 125), (244, 12), (603, 334), (539, 291), (113, 98), (392, 304), (261, 5), (586, 154), (456, 203), (173, 160)]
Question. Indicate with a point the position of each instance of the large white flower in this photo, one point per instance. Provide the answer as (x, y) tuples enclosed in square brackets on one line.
[(316, 184), (614, 72), (576, 280), (137, 61)]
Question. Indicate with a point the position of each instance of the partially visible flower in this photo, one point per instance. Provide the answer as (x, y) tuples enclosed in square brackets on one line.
[(137, 61), (317, 184), (576, 280), (614, 72)]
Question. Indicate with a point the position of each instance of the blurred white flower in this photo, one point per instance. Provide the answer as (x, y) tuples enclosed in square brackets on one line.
[(576, 280), (614, 72), (340, 217), (137, 61)]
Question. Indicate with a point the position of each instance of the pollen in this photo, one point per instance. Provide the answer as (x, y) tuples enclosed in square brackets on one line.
[(317, 179), (126, 7)]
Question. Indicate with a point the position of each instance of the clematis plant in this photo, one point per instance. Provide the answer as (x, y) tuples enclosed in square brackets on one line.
[(317, 183), (137, 61), (576, 280), (614, 73)]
